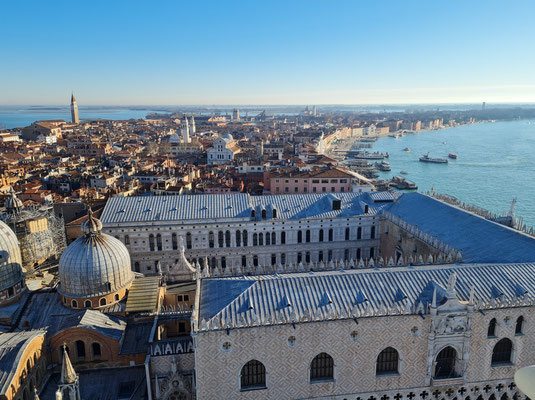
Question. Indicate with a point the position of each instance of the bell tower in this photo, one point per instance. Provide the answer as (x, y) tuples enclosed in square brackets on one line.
[(74, 110)]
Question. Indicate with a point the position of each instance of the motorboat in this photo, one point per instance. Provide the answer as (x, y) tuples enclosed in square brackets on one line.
[(452, 156), (427, 159), (407, 149), (383, 166)]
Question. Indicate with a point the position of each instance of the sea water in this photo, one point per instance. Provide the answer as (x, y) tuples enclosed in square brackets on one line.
[(496, 163)]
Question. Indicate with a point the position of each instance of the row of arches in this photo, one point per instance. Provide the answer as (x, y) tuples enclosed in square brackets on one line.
[(253, 373), (156, 244), (81, 354), (88, 303)]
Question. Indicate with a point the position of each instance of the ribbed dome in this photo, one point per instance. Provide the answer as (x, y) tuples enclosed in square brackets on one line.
[(95, 264), (10, 258)]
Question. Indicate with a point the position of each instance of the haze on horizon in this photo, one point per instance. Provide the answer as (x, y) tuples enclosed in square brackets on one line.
[(299, 52)]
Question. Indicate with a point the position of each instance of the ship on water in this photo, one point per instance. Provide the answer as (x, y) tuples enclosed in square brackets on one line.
[(364, 155), (383, 166), (426, 158)]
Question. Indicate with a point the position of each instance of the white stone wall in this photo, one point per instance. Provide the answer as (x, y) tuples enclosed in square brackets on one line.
[(218, 370), (138, 239)]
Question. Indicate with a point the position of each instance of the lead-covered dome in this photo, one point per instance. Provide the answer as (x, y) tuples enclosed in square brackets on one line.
[(95, 264), (10, 258), (13, 203)]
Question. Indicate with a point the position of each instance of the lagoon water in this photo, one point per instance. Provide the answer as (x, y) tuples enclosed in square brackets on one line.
[(14, 117), (496, 163)]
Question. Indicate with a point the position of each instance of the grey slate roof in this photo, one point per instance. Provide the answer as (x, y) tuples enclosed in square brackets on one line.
[(107, 325), (300, 297), (155, 209), (12, 347), (479, 239)]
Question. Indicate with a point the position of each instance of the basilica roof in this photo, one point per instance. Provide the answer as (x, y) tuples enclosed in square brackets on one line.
[(358, 293), (157, 209), (95, 264), (10, 258)]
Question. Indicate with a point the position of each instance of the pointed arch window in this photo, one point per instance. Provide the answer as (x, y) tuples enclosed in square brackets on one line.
[(372, 234), (220, 239), (387, 362), (502, 352), (307, 236), (359, 233), (273, 238), (188, 240), (347, 234), (151, 242), (227, 238), (445, 363), (211, 239), (245, 238), (238, 238), (322, 368), (283, 237), (331, 235), (519, 327), (174, 241), (159, 242), (299, 236), (253, 376), (491, 332), (321, 235)]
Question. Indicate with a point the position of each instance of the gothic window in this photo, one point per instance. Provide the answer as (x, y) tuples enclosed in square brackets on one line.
[(188, 240), (211, 239), (372, 234), (238, 238), (322, 368), (255, 239), (273, 238), (159, 242), (95, 348), (359, 233), (264, 214), (255, 260), (220, 239), (519, 325), (245, 238), (151, 242), (227, 238), (307, 235), (492, 328), (260, 239), (88, 303), (387, 362), (321, 235), (299, 236), (253, 375), (445, 363), (347, 234), (268, 239), (283, 237), (501, 354), (243, 261), (80, 350), (174, 241), (331, 235)]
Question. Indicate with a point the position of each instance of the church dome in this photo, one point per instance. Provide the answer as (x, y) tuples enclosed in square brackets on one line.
[(228, 137), (174, 138), (10, 258), (95, 264)]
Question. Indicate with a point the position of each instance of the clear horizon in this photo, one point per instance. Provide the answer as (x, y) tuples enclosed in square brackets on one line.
[(277, 53)]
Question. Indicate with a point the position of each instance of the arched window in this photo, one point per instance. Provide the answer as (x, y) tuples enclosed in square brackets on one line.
[(244, 261), (80, 350), (299, 236), (387, 362), (283, 237), (322, 367), (74, 304), (136, 267), (255, 260), (238, 238), (159, 242), (214, 262), (264, 214), (491, 332), (331, 235), (188, 240), (519, 325), (88, 304), (321, 235), (359, 233), (95, 348), (255, 239), (372, 234), (307, 236), (260, 239), (501, 354), (151, 242), (445, 363), (116, 297), (273, 238), (174, 241), (227, 238), (320, 254), (268, 239), (127, 240), (223, 262), (252, 213), (103, 301), (211, 239), (245, 238), (253, 375), (347, 233)]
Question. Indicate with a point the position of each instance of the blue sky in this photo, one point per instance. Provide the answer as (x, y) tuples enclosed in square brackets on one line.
[(267, 52)]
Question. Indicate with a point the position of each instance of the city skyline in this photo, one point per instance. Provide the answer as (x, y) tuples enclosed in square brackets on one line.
[(297, 53)]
